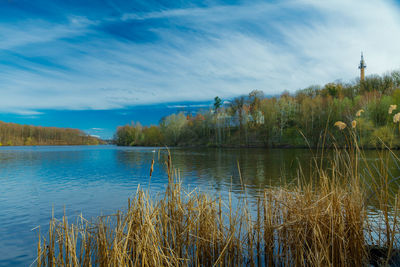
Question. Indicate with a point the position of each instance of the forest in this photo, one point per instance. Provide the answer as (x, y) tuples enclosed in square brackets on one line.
[(306, 118), (12, 134)]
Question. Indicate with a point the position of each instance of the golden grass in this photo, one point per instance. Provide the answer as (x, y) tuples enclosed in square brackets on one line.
[(322, 223)]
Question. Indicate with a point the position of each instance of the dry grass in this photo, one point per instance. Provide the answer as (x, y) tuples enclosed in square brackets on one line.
[(324, 223)]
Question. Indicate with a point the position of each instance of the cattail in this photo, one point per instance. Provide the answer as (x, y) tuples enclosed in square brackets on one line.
[(152, 167), (396, 118), (341, 125), (391, 108), (358, 114), (353, 124)]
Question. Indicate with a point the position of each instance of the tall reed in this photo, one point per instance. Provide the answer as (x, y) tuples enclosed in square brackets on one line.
[(313, 223)]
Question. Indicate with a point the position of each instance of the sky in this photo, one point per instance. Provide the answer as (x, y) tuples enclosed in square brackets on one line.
[(95, 65)]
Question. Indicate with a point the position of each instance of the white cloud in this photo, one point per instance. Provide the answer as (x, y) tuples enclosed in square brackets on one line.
[(188, 106), (22, 112), (225, 51), (40, 32)]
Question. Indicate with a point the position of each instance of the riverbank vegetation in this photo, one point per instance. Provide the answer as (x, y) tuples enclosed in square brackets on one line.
[(12, 134), (256, 120), (342, 215)]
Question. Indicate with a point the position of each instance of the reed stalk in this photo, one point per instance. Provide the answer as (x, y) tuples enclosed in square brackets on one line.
[(323, 223)]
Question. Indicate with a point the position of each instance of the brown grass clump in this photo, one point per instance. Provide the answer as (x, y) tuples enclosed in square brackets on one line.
[(311, 224)]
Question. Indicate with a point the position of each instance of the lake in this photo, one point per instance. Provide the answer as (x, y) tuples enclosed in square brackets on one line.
[(95, 180)]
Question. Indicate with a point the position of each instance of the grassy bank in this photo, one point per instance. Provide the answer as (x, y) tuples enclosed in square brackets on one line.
[(324, 220)]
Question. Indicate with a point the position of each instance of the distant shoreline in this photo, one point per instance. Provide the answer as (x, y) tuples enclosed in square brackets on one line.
[(259, 147)]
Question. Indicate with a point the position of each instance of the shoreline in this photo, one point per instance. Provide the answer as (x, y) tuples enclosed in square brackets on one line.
[(263, 147)]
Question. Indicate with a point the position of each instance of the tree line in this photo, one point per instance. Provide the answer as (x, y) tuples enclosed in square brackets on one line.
[(12, 134), (305, 118)]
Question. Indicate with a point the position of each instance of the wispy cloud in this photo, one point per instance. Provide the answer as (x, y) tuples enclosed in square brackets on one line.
[(185, 53), (23, 112), (188, 106)]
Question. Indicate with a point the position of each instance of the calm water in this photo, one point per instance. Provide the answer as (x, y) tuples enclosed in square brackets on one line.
[(95, 180)]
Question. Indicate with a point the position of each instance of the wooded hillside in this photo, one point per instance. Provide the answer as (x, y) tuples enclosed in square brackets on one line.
[(12, 134)]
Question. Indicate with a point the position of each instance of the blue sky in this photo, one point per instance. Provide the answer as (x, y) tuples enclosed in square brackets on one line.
[(97, 64)]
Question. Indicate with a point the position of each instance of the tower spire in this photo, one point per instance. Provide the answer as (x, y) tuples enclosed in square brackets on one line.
[(362, 67)]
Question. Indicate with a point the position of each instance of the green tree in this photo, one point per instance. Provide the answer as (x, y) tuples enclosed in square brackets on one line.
[(217, 103), (172, 127)]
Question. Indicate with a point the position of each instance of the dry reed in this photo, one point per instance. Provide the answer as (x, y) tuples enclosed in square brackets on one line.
[(322, 223)]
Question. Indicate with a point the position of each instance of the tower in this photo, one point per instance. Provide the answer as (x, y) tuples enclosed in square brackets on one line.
[(362, 67)]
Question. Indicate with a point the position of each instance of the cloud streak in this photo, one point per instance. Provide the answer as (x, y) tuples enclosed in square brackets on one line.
[(159, 54)]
